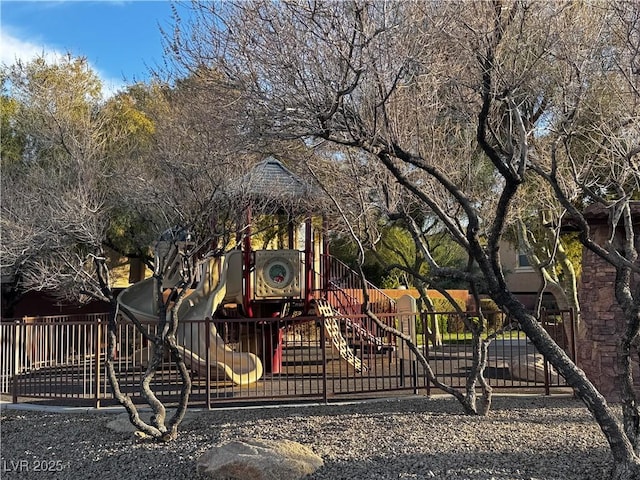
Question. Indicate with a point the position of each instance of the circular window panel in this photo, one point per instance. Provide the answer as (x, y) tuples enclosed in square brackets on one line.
[(278, 273)]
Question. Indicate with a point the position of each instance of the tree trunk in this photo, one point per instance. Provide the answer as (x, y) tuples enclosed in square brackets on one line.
[(626, 471), (434, 331), (430, 322), (626, 462)]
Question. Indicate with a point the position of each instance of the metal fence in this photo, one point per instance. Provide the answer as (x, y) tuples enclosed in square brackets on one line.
[(62, 359)]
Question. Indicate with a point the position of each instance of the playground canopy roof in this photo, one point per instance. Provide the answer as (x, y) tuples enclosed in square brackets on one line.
[(273, 187)]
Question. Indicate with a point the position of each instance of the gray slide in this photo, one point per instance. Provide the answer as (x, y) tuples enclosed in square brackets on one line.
[(240, 367)]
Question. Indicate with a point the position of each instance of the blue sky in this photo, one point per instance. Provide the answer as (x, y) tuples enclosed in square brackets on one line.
[(121, 39)]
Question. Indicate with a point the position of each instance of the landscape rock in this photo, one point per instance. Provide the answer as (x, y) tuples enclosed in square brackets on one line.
[(530, 367), (258, 459)]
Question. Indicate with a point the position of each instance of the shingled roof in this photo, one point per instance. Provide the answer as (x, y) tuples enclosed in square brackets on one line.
[(271, 178), (599, 214), (269, 182)]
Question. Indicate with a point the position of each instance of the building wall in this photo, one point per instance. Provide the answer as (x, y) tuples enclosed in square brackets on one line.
[(524, 282), (602, 321), (33, 304)]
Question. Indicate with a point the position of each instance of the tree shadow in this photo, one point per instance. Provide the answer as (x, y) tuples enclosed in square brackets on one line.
[(525, 465)]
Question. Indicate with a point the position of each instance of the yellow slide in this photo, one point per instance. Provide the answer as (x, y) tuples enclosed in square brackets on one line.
[(332, 328), (240, 367)]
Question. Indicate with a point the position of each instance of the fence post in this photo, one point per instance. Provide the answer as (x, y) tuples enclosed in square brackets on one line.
[(207, 330), (572, 319), (98, 353), (16, 360), (544, 321), (425, 338), (323, 349), (547, 389), (414, 359)]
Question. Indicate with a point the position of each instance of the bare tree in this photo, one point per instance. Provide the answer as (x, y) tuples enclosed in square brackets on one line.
[(438, 92), (76, 178), (542, 243), (592, 158), (62, 195)]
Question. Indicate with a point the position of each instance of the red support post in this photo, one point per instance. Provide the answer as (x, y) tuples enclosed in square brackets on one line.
[(326, 260), (308, 265)]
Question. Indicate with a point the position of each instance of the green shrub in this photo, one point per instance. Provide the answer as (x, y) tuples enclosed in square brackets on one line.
[(495, 318), (448, 322), (455, 324), (427, 318), (443, 305), (443, 323)]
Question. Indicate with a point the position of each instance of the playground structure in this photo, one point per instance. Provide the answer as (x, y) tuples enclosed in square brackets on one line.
[(273, 284), (262, 321)]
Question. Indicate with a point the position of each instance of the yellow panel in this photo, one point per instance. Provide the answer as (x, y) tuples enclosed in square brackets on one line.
[(278, 273)]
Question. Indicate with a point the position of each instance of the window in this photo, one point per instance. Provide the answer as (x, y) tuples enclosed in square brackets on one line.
[(523, 261)]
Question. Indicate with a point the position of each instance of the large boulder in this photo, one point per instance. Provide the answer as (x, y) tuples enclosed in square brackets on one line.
[(257, 459), (530, 367)]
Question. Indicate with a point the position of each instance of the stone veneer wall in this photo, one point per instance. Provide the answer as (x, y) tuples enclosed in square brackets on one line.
[(602, 320)]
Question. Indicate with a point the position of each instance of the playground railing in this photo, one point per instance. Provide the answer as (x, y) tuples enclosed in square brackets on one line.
[(344, 289), (55, 356), (61, 360)]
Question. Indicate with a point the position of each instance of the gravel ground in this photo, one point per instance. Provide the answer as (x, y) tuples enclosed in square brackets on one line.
[(525, 437)]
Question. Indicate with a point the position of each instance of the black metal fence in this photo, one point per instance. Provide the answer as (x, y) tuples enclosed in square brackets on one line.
[(62, 359)]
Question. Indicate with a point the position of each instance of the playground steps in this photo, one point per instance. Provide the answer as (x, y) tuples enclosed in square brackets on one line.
[(369, 338), (332, 328)]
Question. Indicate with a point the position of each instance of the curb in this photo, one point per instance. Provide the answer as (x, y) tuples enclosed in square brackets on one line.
[(117, 409)]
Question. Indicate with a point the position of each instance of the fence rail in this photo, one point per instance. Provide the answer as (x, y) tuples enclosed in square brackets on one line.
[(344, 289), (62, 359)]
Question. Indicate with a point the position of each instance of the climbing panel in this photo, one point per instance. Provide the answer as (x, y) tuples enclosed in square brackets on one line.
[(332, 328)]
